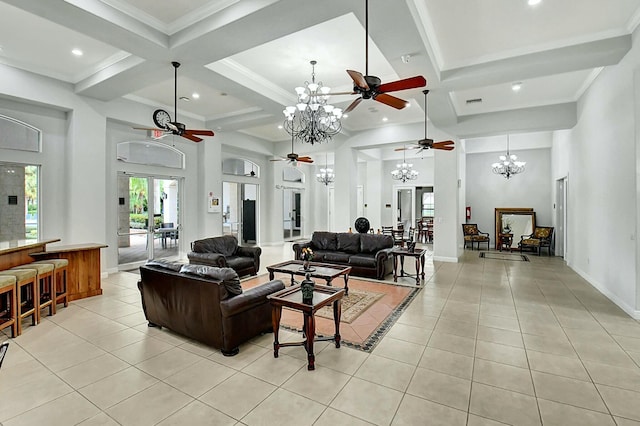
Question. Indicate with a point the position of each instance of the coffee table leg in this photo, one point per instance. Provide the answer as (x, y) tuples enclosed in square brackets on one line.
[(276, 313), (401, 265), (292, 280), (418, 270), (337, 313), (346, 284), (271, 275), (395, 268), (310, 326), (422, 262)]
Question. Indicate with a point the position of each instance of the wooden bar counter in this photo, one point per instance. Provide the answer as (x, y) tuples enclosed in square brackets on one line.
[(17, 252), (83, 275)]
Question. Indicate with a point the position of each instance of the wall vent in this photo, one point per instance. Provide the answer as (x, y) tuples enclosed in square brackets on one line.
[(474, 101)]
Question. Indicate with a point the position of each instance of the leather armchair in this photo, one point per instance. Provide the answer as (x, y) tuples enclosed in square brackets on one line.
[(224, 252)]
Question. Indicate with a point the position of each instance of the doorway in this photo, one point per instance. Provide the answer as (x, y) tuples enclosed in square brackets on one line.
[(560, 248), (148, 219), (292, 214), (240, 209), (404, 206)]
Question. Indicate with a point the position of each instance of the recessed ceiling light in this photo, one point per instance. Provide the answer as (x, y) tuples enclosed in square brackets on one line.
[(516, 86), (195, 95), (345, 115), (385, 119), (77, 52), (534, 2), (280, 126)]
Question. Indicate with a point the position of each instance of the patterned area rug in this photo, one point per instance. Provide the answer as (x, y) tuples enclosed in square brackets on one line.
[(371, 319), (353, 304), (504, 256)]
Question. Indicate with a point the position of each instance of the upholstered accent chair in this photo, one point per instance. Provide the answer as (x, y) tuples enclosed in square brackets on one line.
[(473, 235), (542, 236)]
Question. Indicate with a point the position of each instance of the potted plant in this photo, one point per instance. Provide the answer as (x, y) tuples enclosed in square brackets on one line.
[(307, 256)]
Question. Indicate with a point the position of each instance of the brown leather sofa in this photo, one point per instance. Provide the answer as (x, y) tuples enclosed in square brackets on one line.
[(207, 304), (367, 254), (224, 252)]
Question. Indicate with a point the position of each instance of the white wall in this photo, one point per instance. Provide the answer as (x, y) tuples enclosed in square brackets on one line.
[(486, 191), (602, 191)]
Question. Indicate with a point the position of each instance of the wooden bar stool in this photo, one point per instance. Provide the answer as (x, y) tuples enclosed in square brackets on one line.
[(60, 267), (45, 285), (26, 294), (8, 290)]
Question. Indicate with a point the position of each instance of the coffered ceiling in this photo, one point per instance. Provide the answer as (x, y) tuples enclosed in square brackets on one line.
[(244, 57)]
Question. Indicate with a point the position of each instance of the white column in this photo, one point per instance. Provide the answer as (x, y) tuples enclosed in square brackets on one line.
[(373, 194), (210, 182), (345, 187), (445, 226)]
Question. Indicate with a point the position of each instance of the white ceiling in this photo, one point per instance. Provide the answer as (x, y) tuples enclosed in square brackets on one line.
[(244, 57)]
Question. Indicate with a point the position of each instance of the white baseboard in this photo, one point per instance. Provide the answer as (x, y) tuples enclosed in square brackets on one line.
[(633, 313)]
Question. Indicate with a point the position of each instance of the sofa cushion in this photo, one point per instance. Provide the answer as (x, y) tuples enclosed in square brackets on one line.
[(227, 276), (166, 264), (366, 260), (336, 257), (319, 255), (370, 243), (225, 245), (348, 243), (238, 263), (324, 241)]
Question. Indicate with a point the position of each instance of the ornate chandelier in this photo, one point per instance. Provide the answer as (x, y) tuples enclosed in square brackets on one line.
[(508, 164), (312, 120), (404, 171), (326, 175)]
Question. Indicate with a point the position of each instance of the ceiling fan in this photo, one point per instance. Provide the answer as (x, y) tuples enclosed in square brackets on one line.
[(162, 119), (427, 143), (293, 158), (371, 87)]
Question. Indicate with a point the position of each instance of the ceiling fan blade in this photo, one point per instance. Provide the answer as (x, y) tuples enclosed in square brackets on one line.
[(392, 101), (408, 148), (358, 79), (149, 128), (279, 159), (445, 145), (199, 132), (343, 93), (352, 106), (191, 137), (305, 159), (407, 83)]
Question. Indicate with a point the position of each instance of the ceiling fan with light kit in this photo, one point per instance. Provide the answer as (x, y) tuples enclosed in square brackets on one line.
[(371, 87), (427, 143), (162, 118), (293, 158)]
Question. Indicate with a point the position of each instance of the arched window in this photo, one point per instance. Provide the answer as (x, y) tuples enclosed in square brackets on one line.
[(292, 174), (240, 167), (150, 154)]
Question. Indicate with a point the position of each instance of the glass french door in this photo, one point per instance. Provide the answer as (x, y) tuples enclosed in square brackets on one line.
[(148, 219), (292, 214), (240, 209)]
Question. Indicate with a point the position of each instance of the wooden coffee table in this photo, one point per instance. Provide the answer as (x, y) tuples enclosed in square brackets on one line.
[(418, 254), (323, 271), (292, 298)]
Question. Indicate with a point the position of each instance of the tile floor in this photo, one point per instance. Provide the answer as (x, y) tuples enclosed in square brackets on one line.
[(486, 342)]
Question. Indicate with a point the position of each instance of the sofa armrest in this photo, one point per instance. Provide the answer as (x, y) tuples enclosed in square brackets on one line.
[(297, 248), (383, 254), (211, 259), (250, 298)]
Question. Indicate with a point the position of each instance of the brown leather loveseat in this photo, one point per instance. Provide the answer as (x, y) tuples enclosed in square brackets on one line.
[(205, 303), (367, 254), (224, 252)]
